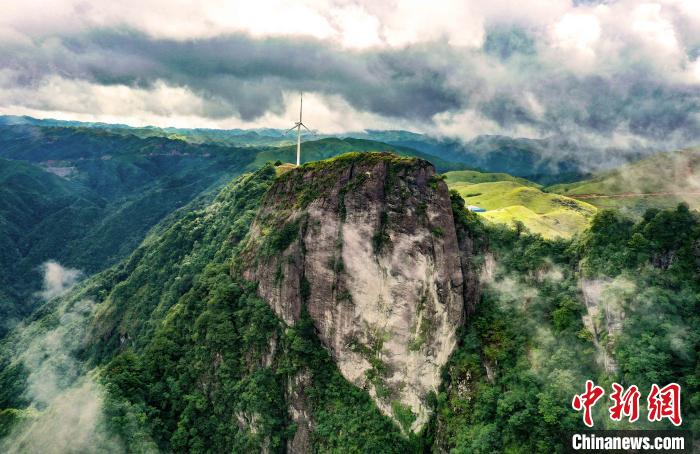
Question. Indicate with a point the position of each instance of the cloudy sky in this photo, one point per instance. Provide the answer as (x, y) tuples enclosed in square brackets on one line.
[(621, 73)]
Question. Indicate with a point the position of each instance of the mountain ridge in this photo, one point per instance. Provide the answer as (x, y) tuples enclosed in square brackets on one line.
[(146, 319), (546, 160)]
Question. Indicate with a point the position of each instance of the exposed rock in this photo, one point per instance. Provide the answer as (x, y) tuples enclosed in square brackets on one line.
[(366, 245), (300, 411), (604, 315)]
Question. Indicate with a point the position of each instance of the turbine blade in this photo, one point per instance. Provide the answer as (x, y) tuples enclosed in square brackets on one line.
[(301, 104), (302, 124), (291, 129)]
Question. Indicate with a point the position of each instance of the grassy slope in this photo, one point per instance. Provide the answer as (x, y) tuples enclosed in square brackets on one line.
[(473, 176), (509, 199), (660, 181)]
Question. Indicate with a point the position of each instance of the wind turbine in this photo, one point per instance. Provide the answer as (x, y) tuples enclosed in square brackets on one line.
[(298, 125)]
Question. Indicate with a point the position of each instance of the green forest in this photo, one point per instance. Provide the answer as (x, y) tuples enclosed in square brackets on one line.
[(526, 352), (177, 343)]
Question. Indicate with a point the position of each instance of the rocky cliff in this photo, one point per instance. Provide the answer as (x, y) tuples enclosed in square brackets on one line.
[(366, 246)]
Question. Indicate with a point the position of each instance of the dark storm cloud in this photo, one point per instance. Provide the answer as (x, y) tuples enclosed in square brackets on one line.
[(642, 104), (250, 75), (507, 111), (237, 73)]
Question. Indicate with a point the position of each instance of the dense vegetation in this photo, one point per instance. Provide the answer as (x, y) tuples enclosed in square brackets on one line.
[(87, 195), (526, 350), (32, 204), (111, 191), (200, 363), (192, 360)]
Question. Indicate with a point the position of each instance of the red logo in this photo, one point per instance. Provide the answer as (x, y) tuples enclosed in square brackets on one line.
[(665, 403), (625, 404), (662, 403), (586, 401)]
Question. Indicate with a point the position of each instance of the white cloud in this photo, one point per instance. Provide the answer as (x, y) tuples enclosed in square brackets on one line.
[(164, 105), (179, 19), (413, 21), (332, 115), (577, 32), (468, 123), (358, 28), (652, 27), (695, 70), (80, 100), (358, 23), (66, 402), (57, 279)]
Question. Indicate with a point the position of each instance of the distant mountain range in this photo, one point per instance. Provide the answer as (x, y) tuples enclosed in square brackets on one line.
[(87, 197), (545, 161)]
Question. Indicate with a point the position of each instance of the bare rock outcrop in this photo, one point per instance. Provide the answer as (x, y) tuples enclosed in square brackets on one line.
[(366, 246)]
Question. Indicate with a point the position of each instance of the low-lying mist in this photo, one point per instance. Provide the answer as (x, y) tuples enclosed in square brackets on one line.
[(65, 412)]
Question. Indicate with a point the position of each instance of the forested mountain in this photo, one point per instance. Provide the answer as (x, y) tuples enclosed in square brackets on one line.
[(39, 211), (349, 226), (87, 195), (546, 161), (354, 304), (87, 198)]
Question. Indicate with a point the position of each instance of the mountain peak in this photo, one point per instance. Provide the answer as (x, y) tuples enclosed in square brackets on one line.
[(365, 245)]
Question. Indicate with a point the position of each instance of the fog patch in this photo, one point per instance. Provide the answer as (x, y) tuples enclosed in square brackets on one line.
[(554, 360), (513, 293), (488, 269), (550, 272), (57, 279), (65, 400), (679, 340), (72, 423)]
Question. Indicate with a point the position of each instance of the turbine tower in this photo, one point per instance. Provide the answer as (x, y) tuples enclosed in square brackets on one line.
[(298, 125)]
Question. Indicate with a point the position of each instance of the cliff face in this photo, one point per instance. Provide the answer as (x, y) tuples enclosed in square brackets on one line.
[(365, 245)]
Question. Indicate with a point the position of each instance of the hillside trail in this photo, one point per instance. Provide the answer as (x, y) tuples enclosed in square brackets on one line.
[(630, 194)]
